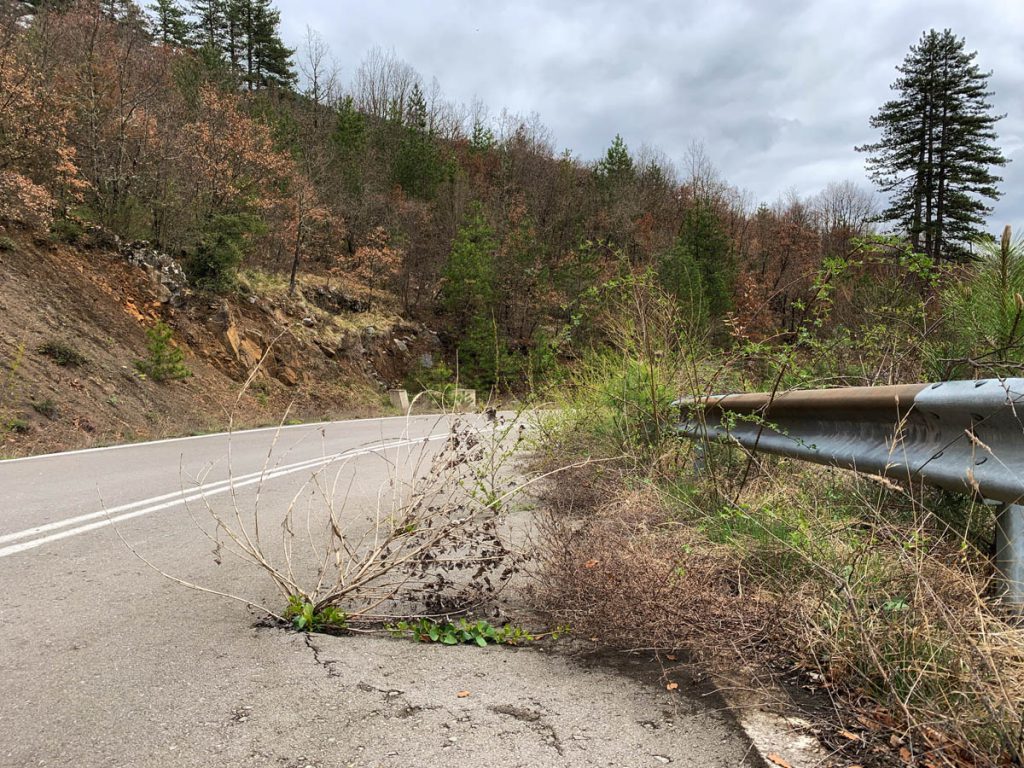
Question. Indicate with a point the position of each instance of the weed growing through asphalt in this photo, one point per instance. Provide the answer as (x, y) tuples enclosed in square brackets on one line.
[(468, 632), (305, 617)]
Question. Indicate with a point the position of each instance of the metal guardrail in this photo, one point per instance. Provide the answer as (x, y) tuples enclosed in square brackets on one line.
[(959, 435)]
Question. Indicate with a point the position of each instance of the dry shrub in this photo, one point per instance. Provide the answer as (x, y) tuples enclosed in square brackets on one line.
[(436, 542), (630, 575), (879, 600), (24, 202), (916, 637)]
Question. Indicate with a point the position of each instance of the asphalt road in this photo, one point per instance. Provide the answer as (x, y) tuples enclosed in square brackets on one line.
[(104, 662)]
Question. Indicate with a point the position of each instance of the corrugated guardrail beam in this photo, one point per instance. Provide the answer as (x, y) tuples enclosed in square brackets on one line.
[(958, 435)]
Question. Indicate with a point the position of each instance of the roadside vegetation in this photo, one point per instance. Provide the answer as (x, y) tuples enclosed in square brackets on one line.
[(878, 594)]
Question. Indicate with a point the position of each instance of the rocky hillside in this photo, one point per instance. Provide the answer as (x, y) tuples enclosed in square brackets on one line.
[(75, 328)]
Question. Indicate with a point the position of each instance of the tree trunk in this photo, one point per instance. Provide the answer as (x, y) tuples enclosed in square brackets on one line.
[(940, 200), (929, 178), (296, 257)]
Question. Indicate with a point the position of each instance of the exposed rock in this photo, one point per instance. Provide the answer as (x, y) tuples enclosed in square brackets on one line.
[(287, 376), (164, 272), (247, 352), (101, 237), (351, 346), (334, 301), (309, 322), (163, 294)]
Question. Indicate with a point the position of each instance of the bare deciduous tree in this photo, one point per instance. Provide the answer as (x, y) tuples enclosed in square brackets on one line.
[(383, 83)]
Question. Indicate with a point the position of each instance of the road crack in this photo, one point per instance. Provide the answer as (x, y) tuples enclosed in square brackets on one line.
[(536, 722), (327, 664)]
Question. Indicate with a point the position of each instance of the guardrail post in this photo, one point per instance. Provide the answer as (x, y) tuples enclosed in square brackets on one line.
[(1010, 552)]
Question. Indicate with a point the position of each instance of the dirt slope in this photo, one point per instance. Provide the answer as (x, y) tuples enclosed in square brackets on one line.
[(329, 359)]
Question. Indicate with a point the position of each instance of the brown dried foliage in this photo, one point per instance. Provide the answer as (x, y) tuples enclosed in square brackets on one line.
[(624, 572)]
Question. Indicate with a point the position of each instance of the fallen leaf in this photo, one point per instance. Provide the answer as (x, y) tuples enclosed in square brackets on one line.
[(670, 657), (672, 686), (905, 754), (869, 724), (590, 563), (849, 735), (462, 694), (778, 760)]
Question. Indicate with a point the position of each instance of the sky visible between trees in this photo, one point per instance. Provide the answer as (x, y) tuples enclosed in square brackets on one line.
[(778, 91)]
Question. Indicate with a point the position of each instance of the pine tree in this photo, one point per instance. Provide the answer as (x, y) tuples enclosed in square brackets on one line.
[(416, 110), (170, 23), (349, 140), (483, 139), (616, 166), (937, 147), (268, 58), (118, 9), (470, 295), (419, 165), (211, 24), (698, 270), (235, 25)]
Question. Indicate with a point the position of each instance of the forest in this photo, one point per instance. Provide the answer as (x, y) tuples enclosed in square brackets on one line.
[(200, 132)]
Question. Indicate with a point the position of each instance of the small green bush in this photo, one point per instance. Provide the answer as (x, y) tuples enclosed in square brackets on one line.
[(213, 263), (18, 425), (7, 245), (437, 381), (983, 314), (62, 353), (66, 231), (47, 408), (165, 361)]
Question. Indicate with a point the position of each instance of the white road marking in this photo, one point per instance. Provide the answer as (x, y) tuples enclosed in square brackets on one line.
[(202, 492), (310, 425)]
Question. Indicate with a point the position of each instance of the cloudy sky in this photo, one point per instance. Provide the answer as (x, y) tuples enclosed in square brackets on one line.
[(778, 91)]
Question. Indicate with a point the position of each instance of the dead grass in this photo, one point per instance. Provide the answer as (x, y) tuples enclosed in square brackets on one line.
[(880, 604), (629, 574)]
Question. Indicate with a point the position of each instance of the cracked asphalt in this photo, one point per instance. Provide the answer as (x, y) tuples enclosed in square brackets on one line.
[(104, 662)]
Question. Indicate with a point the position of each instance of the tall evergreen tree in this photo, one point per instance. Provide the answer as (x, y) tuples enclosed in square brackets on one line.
[(937, 148), (170, 23), (235, 26), (416, 110), (349, 140), (268, 59), (245, 34), (616, 166), (211, 24), (699, 268)]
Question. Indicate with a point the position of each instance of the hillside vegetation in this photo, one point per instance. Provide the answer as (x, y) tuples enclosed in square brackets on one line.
[(472, 223)]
